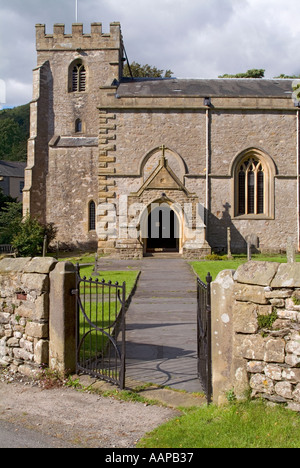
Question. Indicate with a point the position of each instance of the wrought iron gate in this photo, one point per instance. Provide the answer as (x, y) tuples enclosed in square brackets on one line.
[(204, 335), (100, 329)]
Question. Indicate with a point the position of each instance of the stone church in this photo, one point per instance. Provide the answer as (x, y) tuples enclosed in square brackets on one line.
[(136, 166)]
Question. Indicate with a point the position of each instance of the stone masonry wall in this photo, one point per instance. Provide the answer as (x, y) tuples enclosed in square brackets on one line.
[(256, 332), (24, 313)]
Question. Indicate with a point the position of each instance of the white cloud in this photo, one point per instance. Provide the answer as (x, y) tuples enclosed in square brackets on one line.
[(194, 38)]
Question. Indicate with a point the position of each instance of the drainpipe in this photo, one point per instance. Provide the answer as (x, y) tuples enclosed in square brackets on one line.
[(298, 177), (207, 171)]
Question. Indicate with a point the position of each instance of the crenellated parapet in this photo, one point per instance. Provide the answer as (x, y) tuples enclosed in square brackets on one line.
[(96, 40)]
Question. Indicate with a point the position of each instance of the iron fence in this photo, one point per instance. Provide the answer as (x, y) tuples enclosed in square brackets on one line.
[(100, 329), (204, 335)]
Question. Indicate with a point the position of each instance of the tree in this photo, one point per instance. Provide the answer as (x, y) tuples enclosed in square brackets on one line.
[(14, 133), (10, 221), (253, 73), (145, 71), (29, 237), (4, 199), (28, 241), (287, 77)]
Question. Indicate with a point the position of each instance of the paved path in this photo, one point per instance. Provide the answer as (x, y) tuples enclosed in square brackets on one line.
[(161, 323)]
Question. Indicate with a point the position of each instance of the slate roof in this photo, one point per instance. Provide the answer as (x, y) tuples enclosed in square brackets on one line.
[(12, 168), (222, 87)]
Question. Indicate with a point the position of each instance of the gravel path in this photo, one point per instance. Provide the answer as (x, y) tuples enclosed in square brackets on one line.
[(64, 417)]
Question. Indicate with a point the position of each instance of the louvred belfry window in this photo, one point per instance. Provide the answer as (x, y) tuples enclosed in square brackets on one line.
[(251, 187), (78, 78)]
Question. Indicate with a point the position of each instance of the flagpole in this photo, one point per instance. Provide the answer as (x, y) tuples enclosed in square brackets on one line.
[(76, 10)]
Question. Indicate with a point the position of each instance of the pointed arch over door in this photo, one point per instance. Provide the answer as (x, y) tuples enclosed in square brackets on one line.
[(163, 228)]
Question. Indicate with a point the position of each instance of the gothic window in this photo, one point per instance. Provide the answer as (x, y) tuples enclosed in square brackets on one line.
[(77, 77), (92, 216), (253, 176), (251, 187)]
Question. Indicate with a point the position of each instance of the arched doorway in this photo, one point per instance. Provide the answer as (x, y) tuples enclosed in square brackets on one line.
[(163, 229)]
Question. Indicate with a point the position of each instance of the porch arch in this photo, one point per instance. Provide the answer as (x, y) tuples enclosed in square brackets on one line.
[(161, 226)]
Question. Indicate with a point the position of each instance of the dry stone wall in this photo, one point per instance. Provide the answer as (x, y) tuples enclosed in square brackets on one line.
[(24, 313), (256, 337)]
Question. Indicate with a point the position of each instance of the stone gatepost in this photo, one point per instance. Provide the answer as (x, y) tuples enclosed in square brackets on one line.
[(62, 318), (222, 334)]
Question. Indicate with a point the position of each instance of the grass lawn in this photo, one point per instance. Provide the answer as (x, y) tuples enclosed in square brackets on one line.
[(129, 276), (101, 305), (241, 425), (202, 268)]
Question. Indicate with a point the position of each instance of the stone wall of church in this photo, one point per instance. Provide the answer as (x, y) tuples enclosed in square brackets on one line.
[(139, 134), (72, 183), (119, 144)]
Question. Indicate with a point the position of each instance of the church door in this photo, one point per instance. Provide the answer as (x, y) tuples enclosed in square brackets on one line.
[(163, 230)]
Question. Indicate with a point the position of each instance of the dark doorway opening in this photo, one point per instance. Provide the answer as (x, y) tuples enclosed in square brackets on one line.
[(163, 230)]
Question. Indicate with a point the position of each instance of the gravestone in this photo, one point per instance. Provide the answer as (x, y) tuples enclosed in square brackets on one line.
[(229, 255), (290, 251)]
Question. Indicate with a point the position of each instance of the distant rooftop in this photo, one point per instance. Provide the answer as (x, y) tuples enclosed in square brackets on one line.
[(12, 168), (221, 87)]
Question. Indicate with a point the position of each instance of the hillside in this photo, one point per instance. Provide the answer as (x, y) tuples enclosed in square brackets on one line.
[(14, 133)]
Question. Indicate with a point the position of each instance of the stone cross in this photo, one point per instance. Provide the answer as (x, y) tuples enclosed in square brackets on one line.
[(163, 148)]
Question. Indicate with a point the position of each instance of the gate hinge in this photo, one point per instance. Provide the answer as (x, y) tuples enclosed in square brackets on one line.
[(74, 292)]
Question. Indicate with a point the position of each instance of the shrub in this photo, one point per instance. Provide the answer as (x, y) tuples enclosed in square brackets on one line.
[(28, 241)]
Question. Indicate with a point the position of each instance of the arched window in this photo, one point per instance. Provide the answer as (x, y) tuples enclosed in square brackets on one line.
[(77, 77), (92, 216), (253, 174), (251, 187)]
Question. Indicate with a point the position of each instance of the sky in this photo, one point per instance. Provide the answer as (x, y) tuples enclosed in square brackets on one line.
[(193, 38)]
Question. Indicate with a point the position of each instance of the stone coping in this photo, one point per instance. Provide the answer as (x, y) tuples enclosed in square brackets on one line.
[(269, 274)]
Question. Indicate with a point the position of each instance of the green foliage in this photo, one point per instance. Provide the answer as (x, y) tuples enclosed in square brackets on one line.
[(26, 236), (216, 257), (145, 71), (28, 241), (266, 321), (296, 300), (4, 199), (14, 133), (253, 73), (10, 221), (287, 77)]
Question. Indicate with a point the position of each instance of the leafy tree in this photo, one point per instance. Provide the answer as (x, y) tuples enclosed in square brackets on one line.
[(5, 199), (287, 77), (145, 71), (253, 73), (10, 221), (14, 133), (28, 241)]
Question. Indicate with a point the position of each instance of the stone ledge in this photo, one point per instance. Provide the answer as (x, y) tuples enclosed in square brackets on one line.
[(257, 273), (287, 276), (41, 265)]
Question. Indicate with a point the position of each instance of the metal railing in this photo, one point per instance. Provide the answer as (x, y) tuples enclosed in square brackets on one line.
[(204, 335), (101, 329)]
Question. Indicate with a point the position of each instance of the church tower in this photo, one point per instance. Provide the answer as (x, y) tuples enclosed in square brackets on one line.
[(63, 151)]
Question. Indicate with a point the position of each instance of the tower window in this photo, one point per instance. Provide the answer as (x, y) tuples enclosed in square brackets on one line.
[(92, 216), (78, 79), (78, 126)]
